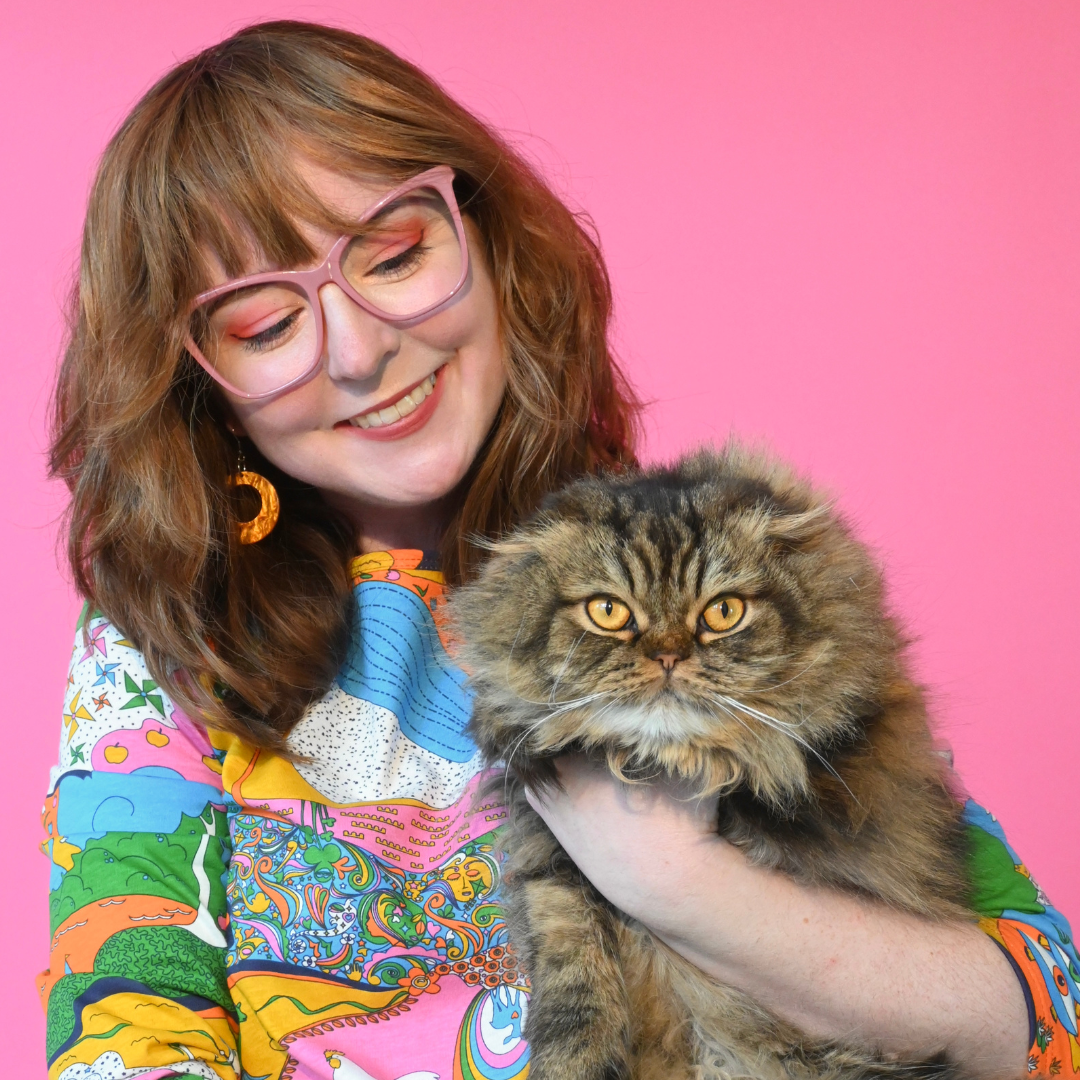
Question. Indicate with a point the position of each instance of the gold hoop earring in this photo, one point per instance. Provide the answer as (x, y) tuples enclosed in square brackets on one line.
[(262, 524)]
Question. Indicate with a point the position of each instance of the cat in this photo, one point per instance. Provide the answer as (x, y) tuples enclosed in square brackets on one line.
[(717, 622)]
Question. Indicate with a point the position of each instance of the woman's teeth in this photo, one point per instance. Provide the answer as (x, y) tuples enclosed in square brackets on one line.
[(392, 413)]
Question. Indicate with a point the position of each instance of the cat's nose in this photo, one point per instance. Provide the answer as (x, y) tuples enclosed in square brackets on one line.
[(667, 659)]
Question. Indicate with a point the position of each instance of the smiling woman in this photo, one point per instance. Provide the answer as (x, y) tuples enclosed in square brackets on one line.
[(407, 258), (324, 291), (307, 270)]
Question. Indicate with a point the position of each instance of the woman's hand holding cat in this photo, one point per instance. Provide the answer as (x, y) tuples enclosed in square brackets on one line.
[(833, 964)]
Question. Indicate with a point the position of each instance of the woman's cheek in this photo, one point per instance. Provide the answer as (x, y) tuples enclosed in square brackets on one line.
[(276, 421)]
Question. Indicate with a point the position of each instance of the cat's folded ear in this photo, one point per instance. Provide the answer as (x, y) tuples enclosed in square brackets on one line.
[(800, 528)]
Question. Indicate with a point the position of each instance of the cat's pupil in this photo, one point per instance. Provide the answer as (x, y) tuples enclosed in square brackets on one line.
[(724, 609), (609, 607)]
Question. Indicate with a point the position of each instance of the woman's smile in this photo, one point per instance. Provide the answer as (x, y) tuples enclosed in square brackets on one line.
[(400, 414)]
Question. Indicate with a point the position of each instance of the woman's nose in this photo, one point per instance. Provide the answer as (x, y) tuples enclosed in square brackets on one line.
[(357, 343)]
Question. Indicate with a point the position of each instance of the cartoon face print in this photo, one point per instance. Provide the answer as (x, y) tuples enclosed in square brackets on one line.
[(468, 876)]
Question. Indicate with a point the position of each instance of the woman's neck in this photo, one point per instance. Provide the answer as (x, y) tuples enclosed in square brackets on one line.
[(389, 528)]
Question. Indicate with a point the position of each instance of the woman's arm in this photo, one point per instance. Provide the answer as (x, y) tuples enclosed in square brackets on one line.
[(136, 829), (835, 965)]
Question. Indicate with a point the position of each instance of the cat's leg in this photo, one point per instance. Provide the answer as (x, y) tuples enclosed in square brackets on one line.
[(578, 1024), (663, 1046), (687, 1027), (848, 1063)]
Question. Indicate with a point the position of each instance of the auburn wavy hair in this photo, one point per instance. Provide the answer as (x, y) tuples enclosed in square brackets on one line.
[(246, 637)]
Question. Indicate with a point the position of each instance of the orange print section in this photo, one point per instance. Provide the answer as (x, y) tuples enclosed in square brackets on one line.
[(400, 568), (81, 934), (1055, 1051)]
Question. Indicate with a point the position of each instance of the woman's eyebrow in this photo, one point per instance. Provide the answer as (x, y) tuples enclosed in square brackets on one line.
[(234, 294)]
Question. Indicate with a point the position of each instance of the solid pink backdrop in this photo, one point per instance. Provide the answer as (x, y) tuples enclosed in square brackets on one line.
[(850, 229)]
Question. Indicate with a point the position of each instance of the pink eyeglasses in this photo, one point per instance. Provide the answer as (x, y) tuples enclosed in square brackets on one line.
[(261, 335)]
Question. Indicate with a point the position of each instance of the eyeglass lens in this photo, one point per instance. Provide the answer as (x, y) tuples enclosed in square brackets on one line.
[(403, 261)]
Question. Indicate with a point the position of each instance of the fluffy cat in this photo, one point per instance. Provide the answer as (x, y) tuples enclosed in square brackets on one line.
[(715, 621)]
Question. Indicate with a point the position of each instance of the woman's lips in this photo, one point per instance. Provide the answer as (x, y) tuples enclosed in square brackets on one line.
[(402, 415)]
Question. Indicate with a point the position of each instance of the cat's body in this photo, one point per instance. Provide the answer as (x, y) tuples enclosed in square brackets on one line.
[(715, 622)]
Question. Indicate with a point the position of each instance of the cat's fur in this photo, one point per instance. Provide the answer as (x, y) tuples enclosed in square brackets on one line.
[(805, 722)]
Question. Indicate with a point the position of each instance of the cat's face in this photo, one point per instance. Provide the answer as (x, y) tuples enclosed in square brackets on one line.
[(718, 610)]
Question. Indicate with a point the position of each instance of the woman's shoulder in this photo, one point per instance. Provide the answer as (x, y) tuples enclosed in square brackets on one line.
[(118, 720)]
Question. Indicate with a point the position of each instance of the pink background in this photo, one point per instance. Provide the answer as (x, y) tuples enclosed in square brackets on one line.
[(850, 228)]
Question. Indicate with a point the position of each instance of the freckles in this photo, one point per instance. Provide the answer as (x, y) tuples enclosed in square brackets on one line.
[(471, 331), (468, 326), (296, 411), (481, 362), (447, 332)]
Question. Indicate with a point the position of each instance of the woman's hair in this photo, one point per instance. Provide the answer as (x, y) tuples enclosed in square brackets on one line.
[(247, 636)]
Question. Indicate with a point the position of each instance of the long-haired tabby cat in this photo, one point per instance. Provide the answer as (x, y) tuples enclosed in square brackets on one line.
[(716, 622)]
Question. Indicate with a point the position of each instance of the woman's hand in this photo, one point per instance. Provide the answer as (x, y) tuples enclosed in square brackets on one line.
[(834, 965)]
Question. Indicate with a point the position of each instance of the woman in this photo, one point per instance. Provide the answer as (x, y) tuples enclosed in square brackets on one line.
[(329, 328)]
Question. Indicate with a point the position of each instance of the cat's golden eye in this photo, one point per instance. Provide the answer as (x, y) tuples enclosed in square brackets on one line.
[(608, 613), (724, 613)]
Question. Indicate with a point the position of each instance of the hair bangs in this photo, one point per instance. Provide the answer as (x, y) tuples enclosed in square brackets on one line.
[(243, 125), (240, 195)]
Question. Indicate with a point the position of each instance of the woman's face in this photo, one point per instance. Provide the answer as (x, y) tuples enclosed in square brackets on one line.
[(368, 365)]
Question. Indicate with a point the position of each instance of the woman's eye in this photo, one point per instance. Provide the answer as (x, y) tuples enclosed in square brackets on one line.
[(723, 613), (402, 262), (608, 613), (268, 338)]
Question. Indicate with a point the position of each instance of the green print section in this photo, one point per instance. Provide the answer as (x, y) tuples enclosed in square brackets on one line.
[(145, 864), (997, 885), (167, 959)]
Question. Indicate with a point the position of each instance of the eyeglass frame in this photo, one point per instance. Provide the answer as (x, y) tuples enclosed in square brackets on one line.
[(309, 282)]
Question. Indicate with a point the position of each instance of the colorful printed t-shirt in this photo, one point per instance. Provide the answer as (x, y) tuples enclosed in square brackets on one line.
[(219, 912)]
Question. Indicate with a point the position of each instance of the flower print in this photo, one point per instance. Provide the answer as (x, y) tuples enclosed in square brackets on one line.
[(419, 981), (1044, 1034)]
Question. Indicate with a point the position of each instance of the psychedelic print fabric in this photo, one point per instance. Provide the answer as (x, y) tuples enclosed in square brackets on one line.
[(334, 919), (1036, 937), (218, 912), (136, 828), (365, 939)]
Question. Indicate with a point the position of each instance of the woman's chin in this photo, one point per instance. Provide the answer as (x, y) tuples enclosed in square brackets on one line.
[(414, 477)]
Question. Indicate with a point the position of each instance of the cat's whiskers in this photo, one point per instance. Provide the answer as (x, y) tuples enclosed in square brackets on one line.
[(797, 675), (541, 721), (784, 728), (719, 703), (565, 664), (513, 645), (562, 707), (510, 757), (768, 718), (569, 705), (529, 729), (607, 707)]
